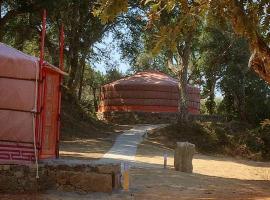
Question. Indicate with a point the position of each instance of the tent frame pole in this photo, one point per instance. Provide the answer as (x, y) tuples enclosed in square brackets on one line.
[(61, 66)]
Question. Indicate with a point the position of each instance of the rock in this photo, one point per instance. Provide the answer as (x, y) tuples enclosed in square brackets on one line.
[(31, 185), (5, 167), (62, 177), (92, 182), (82, 178), (108, 169), (116, 181), (183, 156), (114, 170), (8, 184), (19, 174), (68, 188)]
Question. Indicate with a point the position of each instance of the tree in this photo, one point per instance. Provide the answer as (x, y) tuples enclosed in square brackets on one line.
[(21, 25), (177, 41), (213, 52), (82, 30), (95, 80), (249, 19), (11, 10), (113, 74), (146, 61)]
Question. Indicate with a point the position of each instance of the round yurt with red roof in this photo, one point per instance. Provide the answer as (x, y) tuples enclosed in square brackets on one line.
[(29, 107), (146, 92)]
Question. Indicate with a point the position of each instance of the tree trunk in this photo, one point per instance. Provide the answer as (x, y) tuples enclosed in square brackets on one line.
[(242, 96), (260, 58), (183, 104), (260, 63), (81, 78), (210, 102), (73, 70), (95, 99), (74, 49), (182, 84)]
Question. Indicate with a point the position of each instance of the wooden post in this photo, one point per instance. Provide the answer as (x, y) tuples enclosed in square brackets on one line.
[(126, 177), (165, 160), (183, 156)]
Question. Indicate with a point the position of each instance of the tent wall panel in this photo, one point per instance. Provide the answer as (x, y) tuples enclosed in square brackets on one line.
[(19, 95), (16, 64), (157, 109), (16, 153), (146, 102), (139, 94), (147, 92), (28, 114), (16, 126), (159, 88), (138, 108)]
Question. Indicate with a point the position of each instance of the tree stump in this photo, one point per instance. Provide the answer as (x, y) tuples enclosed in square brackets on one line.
[(183, 156)]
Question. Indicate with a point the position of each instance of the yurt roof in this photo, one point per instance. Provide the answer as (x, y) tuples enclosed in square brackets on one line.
[(146, 80), (16, 64), (146, 77)]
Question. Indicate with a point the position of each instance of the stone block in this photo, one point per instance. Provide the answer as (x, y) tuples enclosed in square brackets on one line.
[(79, 178), (5, 167), (8, 184), (108, 169), (92, 182), (183, 156), (19, 174), (116, 181), (62, 177)]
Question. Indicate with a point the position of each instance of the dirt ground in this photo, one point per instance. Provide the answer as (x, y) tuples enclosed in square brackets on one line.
[(151, 154), (214, 177), (93, 147)]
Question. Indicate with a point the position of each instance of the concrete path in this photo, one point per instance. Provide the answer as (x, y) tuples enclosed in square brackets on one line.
[(123, 151), (125, 146)]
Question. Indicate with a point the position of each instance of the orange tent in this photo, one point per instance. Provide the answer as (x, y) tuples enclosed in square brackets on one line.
[(29, 107)]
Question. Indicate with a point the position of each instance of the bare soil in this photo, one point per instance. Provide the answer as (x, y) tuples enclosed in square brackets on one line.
[(90, 146), (151, 154)]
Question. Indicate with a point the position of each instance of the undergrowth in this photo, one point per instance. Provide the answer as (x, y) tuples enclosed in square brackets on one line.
[(76, 122), (230, 138)]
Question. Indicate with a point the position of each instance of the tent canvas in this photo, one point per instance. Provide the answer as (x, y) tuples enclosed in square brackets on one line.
[(29, 107), (148, 91)]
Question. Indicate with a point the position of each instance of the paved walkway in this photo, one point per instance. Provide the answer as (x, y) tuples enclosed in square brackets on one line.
[(123, 151), (125, 146)]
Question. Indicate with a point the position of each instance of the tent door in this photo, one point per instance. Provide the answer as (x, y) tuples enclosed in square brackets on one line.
[(50, 116)]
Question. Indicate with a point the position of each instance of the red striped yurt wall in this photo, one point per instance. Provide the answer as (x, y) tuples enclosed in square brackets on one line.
[(146, 92)]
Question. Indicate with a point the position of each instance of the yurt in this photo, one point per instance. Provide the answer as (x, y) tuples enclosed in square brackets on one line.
[(30, 99), (146, 92)]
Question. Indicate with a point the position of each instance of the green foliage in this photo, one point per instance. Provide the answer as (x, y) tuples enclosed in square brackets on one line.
[(223, 64), (113, 74), (109, 10), (231, 138), (146, 62), (171, 21), (259, 141), (203, 109)]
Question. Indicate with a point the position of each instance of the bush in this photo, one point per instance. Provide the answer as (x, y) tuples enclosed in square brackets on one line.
[(232, 138)]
